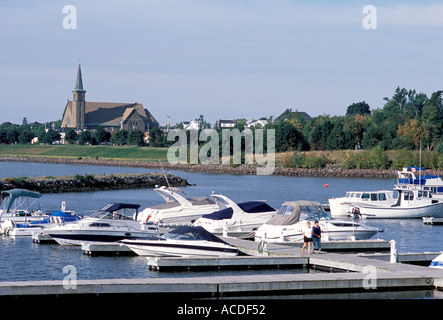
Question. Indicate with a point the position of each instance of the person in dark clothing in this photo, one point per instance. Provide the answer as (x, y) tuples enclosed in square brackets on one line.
[(316, 237)]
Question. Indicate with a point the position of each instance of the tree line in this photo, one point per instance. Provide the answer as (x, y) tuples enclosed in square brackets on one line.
[(406, 122)]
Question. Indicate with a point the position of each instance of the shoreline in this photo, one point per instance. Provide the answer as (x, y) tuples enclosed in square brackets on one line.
[(242, 169)]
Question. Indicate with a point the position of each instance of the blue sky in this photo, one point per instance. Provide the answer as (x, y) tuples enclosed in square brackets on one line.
[(222, 59)]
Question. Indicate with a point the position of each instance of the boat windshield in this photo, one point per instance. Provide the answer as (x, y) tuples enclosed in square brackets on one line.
[(117, 211), (313, 212)]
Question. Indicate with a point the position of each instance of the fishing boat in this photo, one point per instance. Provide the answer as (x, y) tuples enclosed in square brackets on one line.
[(113, 222), (343, 206), (415, 176), (179, 209), (289, 222), (236, 219), (412, 202), (181, 242)]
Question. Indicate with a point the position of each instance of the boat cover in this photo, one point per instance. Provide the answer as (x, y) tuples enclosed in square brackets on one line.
[(288, 214), (192, 233), (255, 207), (111, 207), (17, 193), (220, 215), (66, 216), (248, 207)]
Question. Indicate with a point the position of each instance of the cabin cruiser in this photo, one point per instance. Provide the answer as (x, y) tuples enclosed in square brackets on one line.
[(343, 206), (412, 202), (179, 209), (289, 222), (437, 262), (113, 222), (21, 206), (236, 219), (181, 242)]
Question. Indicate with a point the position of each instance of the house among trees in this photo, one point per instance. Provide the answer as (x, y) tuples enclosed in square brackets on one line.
[(227, 123), (80, 114), (289, 114)]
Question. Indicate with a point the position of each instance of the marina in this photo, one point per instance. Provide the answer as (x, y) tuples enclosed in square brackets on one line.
[(277, 269)]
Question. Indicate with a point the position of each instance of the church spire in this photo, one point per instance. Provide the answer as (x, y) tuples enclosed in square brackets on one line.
[(79, 81)]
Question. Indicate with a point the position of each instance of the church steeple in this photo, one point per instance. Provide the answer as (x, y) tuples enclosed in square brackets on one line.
[(79, 81), (78, 102)]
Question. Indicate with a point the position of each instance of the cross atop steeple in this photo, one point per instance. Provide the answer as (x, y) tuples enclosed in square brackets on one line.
[(79, 81)]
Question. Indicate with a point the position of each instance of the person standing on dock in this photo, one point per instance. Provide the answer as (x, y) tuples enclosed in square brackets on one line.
[(307, 238), (316, 237)]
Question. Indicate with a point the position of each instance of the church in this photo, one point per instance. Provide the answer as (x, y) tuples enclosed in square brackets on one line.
[(81, 115)]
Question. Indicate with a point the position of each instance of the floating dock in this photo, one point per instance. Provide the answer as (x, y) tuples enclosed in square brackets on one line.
[(358, 274), (106, 249), (231, 263)]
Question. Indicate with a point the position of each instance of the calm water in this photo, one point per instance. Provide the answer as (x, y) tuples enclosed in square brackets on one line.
[(21, 259)]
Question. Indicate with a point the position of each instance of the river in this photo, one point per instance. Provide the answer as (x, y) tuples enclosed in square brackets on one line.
[(21, 259)]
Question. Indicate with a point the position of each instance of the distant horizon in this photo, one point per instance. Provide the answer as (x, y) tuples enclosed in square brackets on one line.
[(224, 60)]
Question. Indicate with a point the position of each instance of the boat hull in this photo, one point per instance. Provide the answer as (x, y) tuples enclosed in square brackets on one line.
[(78, 237), (433, 210), (161, 248)]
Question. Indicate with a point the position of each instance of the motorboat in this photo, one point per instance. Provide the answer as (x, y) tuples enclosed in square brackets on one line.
[(113, 222), (20, 205), (412, 176), (343, 206), (179, 209), (412, 202), (289, 222), (183, 241), (57, 218), (236, 219), (437, 262)]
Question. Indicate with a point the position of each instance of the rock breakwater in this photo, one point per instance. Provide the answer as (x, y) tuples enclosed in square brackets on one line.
[(80, 183)]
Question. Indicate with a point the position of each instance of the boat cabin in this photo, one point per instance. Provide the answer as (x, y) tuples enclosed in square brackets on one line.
[(369, 196)]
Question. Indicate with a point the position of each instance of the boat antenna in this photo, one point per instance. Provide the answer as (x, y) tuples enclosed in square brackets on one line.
[(166, 178), (419, 171)]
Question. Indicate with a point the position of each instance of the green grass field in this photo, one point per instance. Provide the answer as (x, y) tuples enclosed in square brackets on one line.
[(86, 151)]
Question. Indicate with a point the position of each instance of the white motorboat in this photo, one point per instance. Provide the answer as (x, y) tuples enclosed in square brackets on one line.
[(236, 219), (113, 222), (20, 206), (179, 209), (289, 222), (343, 206), (412, 202), (437, 262), (183, 241), (57, 218)]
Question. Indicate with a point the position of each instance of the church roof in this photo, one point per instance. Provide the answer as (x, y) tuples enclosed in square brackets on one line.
[(110, 113)]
